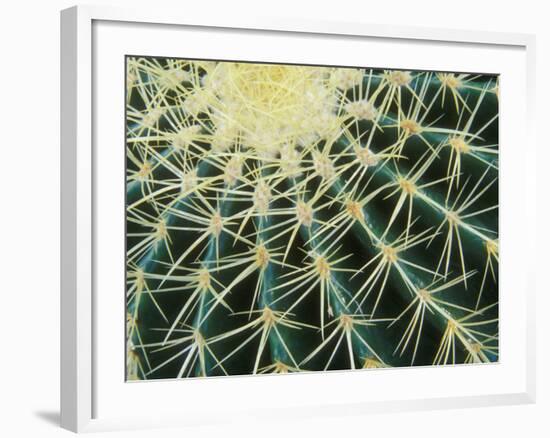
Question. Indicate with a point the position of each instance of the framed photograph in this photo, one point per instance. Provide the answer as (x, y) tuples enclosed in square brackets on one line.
[(284, 217)]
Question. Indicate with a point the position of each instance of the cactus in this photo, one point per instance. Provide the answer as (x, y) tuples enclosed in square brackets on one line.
[(285, 218)]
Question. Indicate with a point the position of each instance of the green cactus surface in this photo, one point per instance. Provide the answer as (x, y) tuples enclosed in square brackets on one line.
[(285, 218)]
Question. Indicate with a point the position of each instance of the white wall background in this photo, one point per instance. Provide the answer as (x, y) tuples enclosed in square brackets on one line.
[(29, 218)]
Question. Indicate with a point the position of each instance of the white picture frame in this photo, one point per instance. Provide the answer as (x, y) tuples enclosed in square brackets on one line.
[(81, 409)]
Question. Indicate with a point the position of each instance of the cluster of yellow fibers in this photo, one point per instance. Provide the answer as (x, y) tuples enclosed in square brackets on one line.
[(265, 107)]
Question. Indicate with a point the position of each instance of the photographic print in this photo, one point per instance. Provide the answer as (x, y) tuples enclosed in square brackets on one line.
[(298, 218)]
